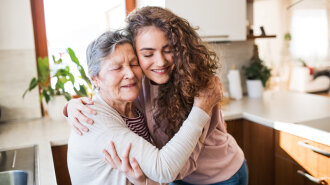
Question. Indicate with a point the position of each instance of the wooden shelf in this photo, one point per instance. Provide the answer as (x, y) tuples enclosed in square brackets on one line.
[(260, 36)]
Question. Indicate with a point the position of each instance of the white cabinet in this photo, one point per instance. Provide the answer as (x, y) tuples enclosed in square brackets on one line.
[(217, 20)]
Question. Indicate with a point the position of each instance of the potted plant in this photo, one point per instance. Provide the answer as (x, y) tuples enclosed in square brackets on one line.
[(56, 94), (257, 75)]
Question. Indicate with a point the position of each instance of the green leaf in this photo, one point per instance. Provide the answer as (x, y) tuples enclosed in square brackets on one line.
[(79, 66), (46, 95), (33, 84), (43, 69), (67, 96), (59, 61), (83, 90), (73, 56)]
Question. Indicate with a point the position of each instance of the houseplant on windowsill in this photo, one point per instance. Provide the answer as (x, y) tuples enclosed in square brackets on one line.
[(56, 94), (257, 75)]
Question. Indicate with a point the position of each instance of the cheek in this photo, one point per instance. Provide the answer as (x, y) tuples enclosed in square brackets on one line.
[(110, 81), (169, 58), (145, 64), (138, 73)]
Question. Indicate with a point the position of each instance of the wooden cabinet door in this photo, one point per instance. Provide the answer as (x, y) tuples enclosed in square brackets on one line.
[(257, 142), (323, 164), (60, 164)]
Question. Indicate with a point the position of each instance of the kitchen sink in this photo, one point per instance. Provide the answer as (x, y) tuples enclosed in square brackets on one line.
[(15, 177), (18, 166)]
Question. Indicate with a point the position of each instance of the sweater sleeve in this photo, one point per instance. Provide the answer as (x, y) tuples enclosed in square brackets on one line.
[(161, 165)]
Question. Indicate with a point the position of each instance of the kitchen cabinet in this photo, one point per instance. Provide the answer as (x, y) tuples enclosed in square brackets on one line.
[(257, 143), (293, 154), (217, 20), (60, 164), (275, 157)]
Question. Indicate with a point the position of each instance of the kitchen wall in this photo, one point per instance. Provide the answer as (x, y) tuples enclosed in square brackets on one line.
[(17, 61), (232, 54)]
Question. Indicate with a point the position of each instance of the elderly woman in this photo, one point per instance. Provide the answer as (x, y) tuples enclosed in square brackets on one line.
[(115, 72)]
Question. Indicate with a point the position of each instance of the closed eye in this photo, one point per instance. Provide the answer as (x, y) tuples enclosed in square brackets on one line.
[(150, 55), (116, 68)]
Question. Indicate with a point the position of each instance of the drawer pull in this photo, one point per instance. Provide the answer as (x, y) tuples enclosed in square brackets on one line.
[(311, 178), (315, 149)]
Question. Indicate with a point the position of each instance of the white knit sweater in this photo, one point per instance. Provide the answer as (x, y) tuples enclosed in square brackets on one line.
[(86, 161)]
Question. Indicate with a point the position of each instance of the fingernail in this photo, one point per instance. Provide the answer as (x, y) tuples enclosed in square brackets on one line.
[(85, 129), (94, 112), (90, 121)]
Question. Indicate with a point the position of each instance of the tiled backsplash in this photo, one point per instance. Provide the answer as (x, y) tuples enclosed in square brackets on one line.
[(17, 68), (230, 54)]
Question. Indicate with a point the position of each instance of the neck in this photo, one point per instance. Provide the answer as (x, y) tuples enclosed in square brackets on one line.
[(126, 109)]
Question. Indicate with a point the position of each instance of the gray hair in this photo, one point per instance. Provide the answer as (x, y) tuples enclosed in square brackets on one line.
[(104, 45)]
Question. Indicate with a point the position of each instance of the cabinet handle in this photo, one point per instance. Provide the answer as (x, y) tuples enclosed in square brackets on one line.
[(315, 149), (311, 178)]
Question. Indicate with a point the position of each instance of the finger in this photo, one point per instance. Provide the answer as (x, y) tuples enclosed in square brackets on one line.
[(78, 125), (126, 166), (136, 168), (115, 157), (77, 130), (86, 101), (109, 159), (85, 108), (83, 118)]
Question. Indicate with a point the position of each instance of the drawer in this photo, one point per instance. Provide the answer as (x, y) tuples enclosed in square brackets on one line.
[(299, 150)]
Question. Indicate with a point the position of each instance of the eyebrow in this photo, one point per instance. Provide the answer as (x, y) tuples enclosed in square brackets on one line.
[(152, 49)]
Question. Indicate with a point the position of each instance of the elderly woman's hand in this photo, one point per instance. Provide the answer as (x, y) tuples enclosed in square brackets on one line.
[(75, 116), (130, 168), (210, 96)]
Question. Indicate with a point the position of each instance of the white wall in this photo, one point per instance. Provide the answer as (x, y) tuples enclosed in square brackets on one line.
[(17, 61), (16, 25)]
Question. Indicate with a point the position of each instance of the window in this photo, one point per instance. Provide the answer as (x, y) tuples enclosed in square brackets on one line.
[(309, 30), (75, 23)]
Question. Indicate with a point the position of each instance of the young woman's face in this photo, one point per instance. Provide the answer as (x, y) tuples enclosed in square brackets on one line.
[(155, 54)]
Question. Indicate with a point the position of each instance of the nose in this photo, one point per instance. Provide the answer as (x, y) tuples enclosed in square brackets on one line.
[(160, 60), (129, 72)]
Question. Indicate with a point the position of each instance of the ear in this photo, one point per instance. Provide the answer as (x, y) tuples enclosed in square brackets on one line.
[(95, 81)]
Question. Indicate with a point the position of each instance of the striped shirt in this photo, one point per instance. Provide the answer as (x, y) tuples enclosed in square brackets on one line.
[(138, 126)]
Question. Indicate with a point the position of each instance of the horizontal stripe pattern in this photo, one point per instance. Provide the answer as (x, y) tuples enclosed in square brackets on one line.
[(138, 125)]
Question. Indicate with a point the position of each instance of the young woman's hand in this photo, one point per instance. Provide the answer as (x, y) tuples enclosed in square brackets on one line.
[(210, 96), (75, 116), (130, 168)]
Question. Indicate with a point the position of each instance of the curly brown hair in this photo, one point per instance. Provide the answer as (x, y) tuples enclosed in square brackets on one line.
[(194, 63)]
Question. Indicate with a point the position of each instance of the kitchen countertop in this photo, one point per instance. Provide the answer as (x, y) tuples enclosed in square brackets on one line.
[(43, 133), (303, 115)]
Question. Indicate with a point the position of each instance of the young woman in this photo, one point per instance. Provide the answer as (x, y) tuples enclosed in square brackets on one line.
[(176, 66)]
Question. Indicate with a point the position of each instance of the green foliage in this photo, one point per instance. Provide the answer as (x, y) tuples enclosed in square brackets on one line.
[(287, 37), (62, 75), (257, 70)]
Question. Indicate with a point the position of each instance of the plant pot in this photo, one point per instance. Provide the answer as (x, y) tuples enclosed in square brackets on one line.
[(55, 107), (255, 88)]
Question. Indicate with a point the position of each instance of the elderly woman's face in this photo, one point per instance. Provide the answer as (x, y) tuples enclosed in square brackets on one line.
[(120, 75), (155, 54)]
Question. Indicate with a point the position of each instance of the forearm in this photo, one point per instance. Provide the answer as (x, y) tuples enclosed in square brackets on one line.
[(159, 165), (164, 165)]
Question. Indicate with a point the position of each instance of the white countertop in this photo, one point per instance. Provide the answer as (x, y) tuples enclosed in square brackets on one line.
[(304, 115), (40, 132), (301, 114)]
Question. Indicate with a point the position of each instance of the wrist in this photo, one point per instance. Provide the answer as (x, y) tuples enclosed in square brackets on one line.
[(206, 109)]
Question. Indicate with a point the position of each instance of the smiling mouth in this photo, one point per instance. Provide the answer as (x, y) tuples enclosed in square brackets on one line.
[(129, 85), (161, 71)]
